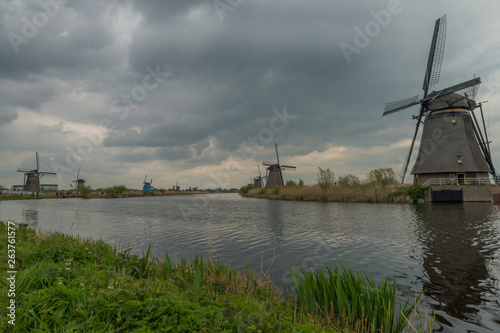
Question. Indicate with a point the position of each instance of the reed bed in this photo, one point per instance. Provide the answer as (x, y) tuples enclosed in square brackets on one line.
[(66, 283), (356, 193), (352, 300)]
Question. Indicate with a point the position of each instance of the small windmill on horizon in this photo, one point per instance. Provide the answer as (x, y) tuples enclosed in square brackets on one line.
[(258, 182), (454, 144), (79, 183), (147, 185), (32, 177), (274, 171)]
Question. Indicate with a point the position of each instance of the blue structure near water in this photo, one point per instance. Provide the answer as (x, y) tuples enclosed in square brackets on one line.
[(146, 188)]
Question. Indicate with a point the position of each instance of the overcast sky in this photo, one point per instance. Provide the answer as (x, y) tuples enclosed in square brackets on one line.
[(197, 92)]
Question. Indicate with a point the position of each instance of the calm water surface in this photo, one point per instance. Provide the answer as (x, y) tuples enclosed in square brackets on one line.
[(451, 252)]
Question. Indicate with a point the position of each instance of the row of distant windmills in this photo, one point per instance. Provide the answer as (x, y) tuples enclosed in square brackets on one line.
[(32, 177), (274, 173)]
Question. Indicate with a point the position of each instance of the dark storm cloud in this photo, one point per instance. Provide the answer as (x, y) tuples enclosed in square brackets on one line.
[(234, 73), (71, 38)]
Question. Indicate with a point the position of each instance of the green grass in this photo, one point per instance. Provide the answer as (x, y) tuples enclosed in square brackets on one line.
[(17, 197), (353, 300), (66, 283)]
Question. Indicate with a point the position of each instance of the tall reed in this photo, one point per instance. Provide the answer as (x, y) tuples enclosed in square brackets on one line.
[(351, 299), (355, 193)]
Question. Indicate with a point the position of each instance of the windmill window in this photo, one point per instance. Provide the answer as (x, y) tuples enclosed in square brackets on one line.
[(454, 120), (459, 159)]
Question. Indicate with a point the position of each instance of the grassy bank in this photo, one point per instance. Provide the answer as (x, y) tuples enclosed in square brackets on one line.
[(356, 193), (69, 284), (94, 194)]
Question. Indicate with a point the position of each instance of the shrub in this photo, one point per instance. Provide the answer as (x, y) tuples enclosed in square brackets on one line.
[(325, 178), (301, 182), (262, 191), (276, 190), (382, 177), (416, 191), (85, 191), (116, 190), (348, 180), (290, 183), (245, 189)]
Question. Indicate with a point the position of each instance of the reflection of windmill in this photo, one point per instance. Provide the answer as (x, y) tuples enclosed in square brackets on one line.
[(32, 177), (147, 185), (258, 182), (79, 183), (274, 171), (452, 143)]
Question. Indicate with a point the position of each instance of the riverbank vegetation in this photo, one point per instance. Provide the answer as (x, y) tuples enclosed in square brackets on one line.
[(117, 191), (380, 186), (66, 283)]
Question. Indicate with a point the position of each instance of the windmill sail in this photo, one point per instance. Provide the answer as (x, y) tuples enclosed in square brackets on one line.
[(436, 52)]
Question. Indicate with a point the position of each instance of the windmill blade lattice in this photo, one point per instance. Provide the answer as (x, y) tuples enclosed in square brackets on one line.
[(436, 54), (396, 106), (472, 84)]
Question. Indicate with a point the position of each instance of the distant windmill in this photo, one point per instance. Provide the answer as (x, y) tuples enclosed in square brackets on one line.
[(147, 185), (452, 143), (79, 183), (274, 171), (258, 182), (32, 177)]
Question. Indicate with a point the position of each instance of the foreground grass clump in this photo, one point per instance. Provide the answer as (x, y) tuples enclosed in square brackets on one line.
[(353, 300), (68, 284)]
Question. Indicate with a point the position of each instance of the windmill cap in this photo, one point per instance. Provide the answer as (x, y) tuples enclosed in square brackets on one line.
[(452, 101)]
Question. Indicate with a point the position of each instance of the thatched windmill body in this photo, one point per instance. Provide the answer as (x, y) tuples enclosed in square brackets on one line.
[(275, 171), (32, 177), (453, 144)]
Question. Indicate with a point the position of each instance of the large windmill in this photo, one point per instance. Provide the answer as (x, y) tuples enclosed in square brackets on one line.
[(452, 145), (32, 177), (274, 171), (79, 183)]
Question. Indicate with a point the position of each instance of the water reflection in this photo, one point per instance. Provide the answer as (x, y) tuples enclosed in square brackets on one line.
[(30, 216), (274, 218), (458, 244)]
